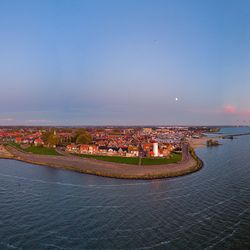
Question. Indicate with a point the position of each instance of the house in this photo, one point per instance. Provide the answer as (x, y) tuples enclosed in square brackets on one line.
[(133, 151), (84, 149), (160, 153), (112, 150), (25, 141), (71, 148), (18, 140), (147, 146), (38, 142), (93, 149), (103, 149), (151, 154)]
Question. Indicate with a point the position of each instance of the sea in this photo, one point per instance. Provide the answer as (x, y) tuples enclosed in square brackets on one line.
[(44, 208)]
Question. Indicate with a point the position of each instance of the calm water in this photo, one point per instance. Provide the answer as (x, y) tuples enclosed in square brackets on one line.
[(44, 208)]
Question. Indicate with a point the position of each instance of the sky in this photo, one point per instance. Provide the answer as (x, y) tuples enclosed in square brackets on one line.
[(125, 62)]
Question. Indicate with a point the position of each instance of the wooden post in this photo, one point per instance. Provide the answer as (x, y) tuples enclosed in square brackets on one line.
[(139, 161)]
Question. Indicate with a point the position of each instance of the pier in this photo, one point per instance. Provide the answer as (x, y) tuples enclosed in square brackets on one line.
[(233, 135)]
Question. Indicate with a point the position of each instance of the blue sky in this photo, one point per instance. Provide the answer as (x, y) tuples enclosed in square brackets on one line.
[(124, 62)]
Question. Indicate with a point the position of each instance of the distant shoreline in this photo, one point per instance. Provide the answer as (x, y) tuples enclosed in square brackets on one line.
[(189, 164)]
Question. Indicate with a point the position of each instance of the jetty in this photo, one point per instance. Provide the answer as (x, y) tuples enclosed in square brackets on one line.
[(233, 135)]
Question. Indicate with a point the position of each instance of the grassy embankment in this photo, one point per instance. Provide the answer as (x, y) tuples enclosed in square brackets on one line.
[(179, 172), (184, 168), (199, 162), (35, 150), (173, 158)]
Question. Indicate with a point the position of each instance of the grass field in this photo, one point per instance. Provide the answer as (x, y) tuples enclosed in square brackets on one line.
[(134, 160), (117, 159), (41, 150), (36, 150), (16, 145), (173, 158)]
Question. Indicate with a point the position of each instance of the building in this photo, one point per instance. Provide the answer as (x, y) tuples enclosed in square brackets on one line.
[(155, 149), (38, 142)]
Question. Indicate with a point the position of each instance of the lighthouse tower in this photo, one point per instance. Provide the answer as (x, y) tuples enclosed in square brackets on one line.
[(155, 149)]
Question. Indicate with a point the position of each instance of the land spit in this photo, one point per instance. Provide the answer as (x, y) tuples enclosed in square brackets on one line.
[(189, 163), (5, 154)]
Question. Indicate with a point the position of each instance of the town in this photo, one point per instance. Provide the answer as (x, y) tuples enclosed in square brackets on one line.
[(105, 141)]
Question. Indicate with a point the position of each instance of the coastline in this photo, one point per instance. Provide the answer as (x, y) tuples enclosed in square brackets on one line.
[(199, 142), (189, 164), (4, 153)]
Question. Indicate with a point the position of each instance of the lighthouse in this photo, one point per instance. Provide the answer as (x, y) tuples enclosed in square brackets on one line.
[(155, 149)]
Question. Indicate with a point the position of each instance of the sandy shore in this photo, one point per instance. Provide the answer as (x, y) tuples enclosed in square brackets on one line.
[(188, 165), (5, 153), (199, 142)]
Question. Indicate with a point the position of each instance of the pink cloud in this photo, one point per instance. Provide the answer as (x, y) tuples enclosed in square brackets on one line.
[(245, 112), (230, 109)]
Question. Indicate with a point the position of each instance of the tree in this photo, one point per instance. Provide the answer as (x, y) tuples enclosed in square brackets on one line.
[(46, 136), (80, 131), (84, 139), (53, 140), (82, 136)]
